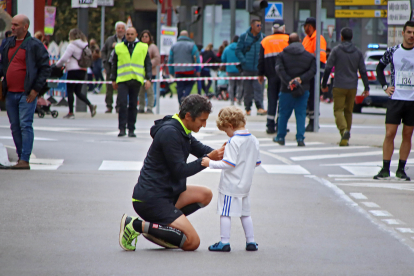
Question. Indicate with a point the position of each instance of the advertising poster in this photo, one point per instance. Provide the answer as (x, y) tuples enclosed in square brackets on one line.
[(50, 14)]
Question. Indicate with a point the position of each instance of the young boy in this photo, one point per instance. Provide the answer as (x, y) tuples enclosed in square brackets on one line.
[(241, 156)]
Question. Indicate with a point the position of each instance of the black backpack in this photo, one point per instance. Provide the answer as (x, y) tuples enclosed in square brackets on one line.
[(85, 60)]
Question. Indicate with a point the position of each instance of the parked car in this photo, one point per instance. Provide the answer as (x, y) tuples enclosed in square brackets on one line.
[(377, 97)]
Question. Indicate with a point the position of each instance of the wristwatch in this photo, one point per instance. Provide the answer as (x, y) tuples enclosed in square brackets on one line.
[(385, 87)]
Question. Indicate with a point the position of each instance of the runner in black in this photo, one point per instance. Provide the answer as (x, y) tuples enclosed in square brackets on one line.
[(161, 197), (400, 106)]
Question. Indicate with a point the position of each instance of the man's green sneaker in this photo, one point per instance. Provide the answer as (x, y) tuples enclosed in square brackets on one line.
[(382, 175), (127, 234), (401, 175)]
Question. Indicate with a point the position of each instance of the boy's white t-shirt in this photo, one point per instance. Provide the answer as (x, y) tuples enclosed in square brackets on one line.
[(241, 155)]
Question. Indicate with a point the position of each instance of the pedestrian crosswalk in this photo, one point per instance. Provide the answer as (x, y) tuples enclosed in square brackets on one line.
[(280, 160)]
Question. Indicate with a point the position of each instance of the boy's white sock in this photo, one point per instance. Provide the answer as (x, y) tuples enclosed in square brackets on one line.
[(225, 227), (248, 228)]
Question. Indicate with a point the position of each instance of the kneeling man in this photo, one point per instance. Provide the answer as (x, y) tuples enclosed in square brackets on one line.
[(161, 197)]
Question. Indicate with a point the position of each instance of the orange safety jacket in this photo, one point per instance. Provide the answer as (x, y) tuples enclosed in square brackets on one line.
[(310, 45), (271, 46)]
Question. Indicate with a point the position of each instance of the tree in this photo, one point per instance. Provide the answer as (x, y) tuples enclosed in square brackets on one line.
[(67, 18)]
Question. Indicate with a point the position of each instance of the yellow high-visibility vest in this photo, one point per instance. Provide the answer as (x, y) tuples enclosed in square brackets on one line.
[(131, 67)]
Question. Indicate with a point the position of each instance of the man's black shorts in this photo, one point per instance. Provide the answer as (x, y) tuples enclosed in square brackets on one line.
[(158, 210), (400, 110)]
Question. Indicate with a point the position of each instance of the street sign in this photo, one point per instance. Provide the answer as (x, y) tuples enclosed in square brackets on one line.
[(84, 3), (273, 11), (168, 38), (360, 13), (398, 12), (107, 3), (394, 35), (361, 2)]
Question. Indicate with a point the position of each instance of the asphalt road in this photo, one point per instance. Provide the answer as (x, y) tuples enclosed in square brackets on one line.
[(316, 210)]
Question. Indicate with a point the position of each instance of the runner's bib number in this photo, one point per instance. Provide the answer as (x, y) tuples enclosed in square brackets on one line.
[(405, 79)]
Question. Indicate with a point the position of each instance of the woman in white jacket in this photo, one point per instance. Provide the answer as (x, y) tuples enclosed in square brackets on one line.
[(71, 56)]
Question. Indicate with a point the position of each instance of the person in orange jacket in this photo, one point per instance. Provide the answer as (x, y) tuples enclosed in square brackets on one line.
[(309, 42), (271, 47)]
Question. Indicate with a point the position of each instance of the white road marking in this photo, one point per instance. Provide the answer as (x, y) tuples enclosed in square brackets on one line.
[(293, 144), (369, 164), (112, 133), (380, 213), (35, 138), (370, 204), (42, 164), (285, 169), (359, 209), (301, 149), (337, 155), (363, 170), (405, 230), (391, 221), (345, 176), (358, 196), (108, 165), (397, 185), (278, 157)]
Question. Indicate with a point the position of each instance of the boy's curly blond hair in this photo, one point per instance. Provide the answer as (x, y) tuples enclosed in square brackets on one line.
[(230, 115)]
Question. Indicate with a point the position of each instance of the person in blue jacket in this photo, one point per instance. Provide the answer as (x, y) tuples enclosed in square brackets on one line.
[(247, 51), (184, 51), (229, 55)]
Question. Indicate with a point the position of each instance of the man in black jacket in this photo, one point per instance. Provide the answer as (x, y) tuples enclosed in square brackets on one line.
[(25, 68), (161, 197), (295, 66), (127, 59)]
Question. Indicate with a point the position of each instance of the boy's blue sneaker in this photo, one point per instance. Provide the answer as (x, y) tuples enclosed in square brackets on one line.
[(222, 247), (252, 246)]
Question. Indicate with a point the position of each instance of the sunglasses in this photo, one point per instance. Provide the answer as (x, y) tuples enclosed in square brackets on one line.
[(258, 25)]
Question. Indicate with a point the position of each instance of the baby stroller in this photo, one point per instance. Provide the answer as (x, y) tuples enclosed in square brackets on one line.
[(43, 107)]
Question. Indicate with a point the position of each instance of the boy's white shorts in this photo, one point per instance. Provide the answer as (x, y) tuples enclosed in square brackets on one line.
[(233, 206)]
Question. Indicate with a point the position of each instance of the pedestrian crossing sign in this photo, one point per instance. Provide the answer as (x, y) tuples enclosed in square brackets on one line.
[(274, 11)]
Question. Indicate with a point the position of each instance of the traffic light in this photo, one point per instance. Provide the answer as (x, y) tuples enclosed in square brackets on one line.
[(195, 13), (181, 12), (253, 6)]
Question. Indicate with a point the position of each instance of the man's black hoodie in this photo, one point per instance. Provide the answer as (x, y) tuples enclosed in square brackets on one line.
[(165, 169), (294, 62)]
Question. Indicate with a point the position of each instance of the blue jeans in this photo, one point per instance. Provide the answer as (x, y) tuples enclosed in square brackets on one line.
[(20, 115), (184, 87), (286, 105)]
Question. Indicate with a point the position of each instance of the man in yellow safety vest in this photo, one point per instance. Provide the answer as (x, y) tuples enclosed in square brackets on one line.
[(131, 65)]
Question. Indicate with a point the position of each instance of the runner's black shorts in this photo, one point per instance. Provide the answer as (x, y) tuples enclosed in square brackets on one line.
[(158, 210), (398, 110)]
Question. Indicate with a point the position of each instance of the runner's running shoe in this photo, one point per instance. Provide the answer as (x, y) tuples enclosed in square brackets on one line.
[(219, 246), (382, 175), (401, 175), (127, 234)]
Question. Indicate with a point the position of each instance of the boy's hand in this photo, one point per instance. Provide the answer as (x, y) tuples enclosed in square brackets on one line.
[(205, 162)]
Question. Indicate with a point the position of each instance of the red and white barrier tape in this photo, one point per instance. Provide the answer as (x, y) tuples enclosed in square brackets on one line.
[(157, 80), (370, 74), (200, 64)]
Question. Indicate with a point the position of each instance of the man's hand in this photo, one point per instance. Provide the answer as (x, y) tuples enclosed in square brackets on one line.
[(325, 89), (147, 84), (198, 74), (32, 96), (260, 79), (205, 162), (114, 85), (217, 154), (365, 93), (390, 90), (296, 79)]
